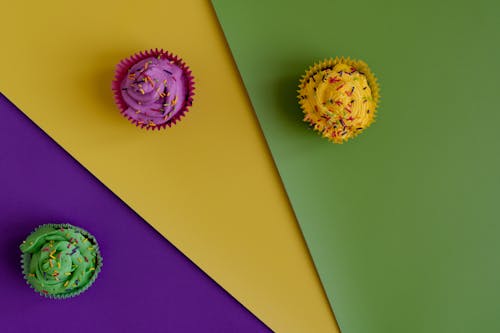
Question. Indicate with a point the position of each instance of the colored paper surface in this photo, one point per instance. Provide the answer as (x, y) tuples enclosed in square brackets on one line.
[(146, 284), (207, 184), (402, 222)]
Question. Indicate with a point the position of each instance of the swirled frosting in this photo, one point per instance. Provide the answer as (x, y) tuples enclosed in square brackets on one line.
[(59, 259), (155, 91), (338, 102)]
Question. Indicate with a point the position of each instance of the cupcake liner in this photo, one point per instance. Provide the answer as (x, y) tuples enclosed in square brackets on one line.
[(122, 70), (360, 65), (26, 258)]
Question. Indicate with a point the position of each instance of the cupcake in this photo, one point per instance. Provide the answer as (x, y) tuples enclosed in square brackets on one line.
[(60, 260), (153, 89), (339, 98)]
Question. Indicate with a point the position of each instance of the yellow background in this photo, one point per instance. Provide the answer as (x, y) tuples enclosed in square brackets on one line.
[(208, 184)]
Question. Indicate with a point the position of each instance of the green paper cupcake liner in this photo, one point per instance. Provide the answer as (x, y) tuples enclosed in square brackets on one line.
[(26, 258)]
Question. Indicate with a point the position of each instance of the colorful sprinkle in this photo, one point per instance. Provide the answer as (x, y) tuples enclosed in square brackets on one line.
[(334, 79)]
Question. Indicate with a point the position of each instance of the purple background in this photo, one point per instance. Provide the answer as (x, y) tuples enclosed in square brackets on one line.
[(146, 284)]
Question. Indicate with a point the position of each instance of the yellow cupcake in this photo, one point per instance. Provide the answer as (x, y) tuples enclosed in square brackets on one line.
[(339, 98)]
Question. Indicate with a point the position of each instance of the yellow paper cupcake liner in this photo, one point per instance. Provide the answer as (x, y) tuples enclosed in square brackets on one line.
[(360, 65)]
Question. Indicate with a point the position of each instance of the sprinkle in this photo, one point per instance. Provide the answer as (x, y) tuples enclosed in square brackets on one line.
[(31, 274), (92, 269), (45, 291), (50, 263), (59, 255), (350, 93), (31, 243), (138, 111), (347, 109), (168, 93), (174, 101), (52, 254), (142, 91), (340, 87), (91, 248), (339, 103), (58, 264), (165, 82), (165, 118), (140, 122), (368, 111), (46, 249), (342, 122), (334, 79), (365, 88), (151, 123), (69, 245), (359, 128), (86, 260), (79, 260), (148, 78), (159, 56), (67, 273), (57, 279), (146, 65), (77, 281), (170, 73), (66, 283), (131, 76)]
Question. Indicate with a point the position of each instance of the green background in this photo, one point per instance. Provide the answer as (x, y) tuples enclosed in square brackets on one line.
[(402, 222)]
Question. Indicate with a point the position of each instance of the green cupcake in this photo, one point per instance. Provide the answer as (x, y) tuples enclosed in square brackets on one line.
[(60, 260)]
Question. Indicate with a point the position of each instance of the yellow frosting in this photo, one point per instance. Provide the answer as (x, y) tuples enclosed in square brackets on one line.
[(337, 99)]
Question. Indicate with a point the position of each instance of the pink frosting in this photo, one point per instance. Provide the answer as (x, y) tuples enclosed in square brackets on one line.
[(155, 90)]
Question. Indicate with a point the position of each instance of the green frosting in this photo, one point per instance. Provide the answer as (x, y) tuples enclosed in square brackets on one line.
[(60, 260)]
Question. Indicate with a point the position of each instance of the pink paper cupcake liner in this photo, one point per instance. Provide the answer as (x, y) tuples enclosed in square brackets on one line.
[(122, 70)]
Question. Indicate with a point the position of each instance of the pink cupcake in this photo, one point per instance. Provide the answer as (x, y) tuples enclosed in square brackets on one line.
[(153, 89)]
